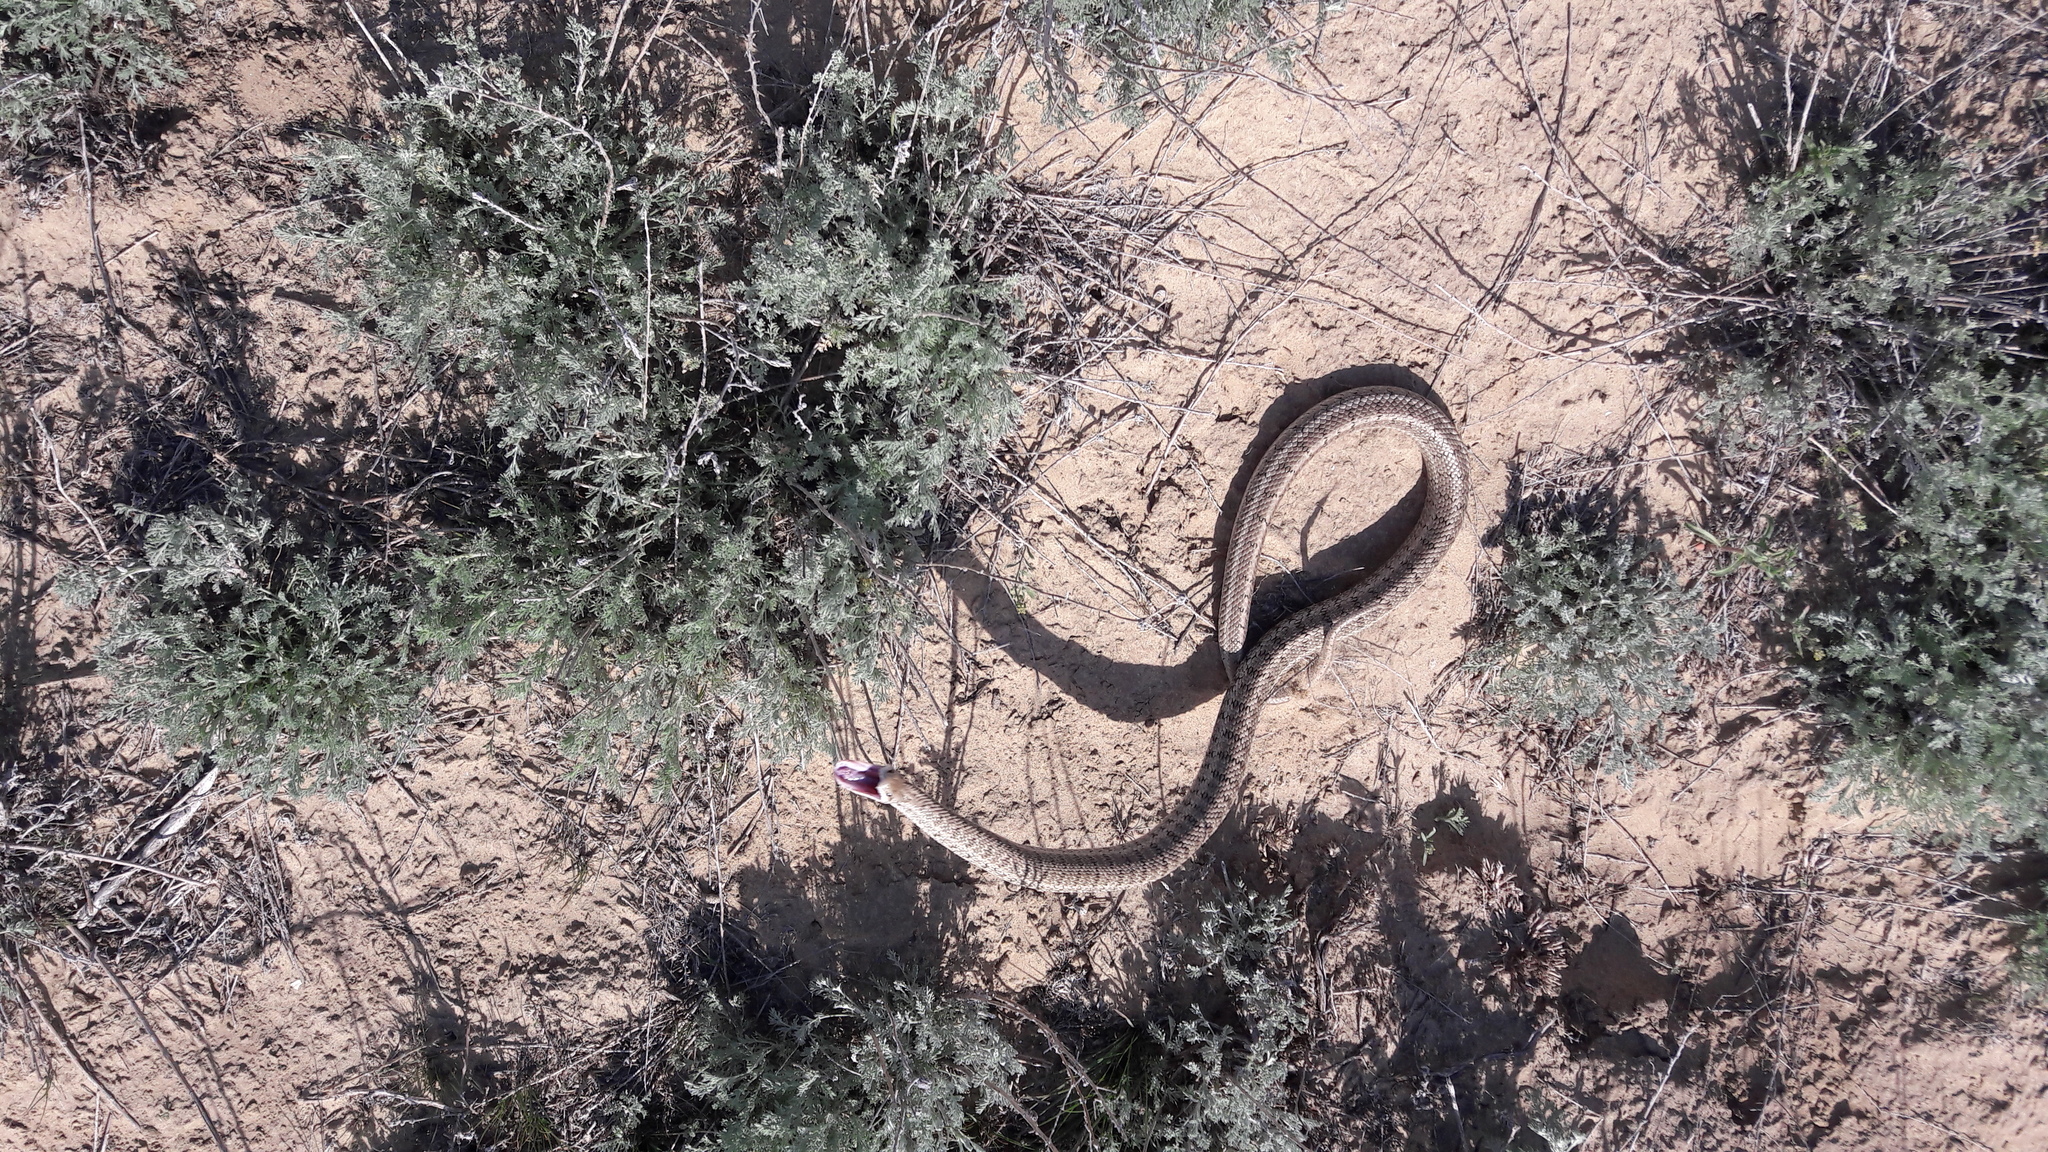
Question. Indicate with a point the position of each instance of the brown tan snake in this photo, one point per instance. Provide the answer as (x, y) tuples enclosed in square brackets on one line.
[(1279, 657)]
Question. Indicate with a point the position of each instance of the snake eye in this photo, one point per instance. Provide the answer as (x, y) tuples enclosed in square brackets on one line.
[(855, 776)]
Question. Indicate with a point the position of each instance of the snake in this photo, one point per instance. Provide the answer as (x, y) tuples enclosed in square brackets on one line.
[(1299, 643)]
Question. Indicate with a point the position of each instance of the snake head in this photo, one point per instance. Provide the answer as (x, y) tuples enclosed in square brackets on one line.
[(866, 779)]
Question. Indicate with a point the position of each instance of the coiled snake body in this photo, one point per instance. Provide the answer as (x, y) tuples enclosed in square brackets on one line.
[(1280, 656)]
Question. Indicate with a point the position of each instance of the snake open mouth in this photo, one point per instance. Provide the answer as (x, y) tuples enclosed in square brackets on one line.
[(855, 776)]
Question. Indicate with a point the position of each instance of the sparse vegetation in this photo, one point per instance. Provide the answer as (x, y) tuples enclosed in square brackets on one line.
[(895, 1067), (1873, 324), (745, 1065), (1897, 345), (291, 660), (910, 1066), (1140, 48), (699, 409), (1586, 636), (722, 414), (63, 61), (658, 406), (700, 406)]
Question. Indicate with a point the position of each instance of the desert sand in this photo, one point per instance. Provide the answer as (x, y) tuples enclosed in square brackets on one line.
[(1734, 962)]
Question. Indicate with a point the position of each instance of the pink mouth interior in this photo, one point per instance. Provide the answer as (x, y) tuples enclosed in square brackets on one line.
[(855, 776)]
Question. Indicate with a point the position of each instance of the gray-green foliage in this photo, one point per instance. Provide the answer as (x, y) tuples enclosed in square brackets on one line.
[(1897, 330), (1857, 253), (1222, 1085), (57, 56), (1588, 634), (905, 1068), (1139, 47), (2030, 957), (287, 659), (909, 1065), (725, 407)]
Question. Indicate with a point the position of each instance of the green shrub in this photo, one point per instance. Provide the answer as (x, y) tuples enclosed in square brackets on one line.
[(725, 403), (1139, 47), (1586, 634), (1850, 258), (1221, 1083), (1937, 669), (1893, 323), (732, 1060), (701, 411), (909, 1067), (285, 659), (58, 58)]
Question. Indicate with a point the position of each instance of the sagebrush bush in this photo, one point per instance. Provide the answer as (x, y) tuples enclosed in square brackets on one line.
[(734, 1062), (1139, 47), (1856, 252), (700, 403), (902, 1067), (1221, 1083), (1895, 321), (1586, 635), (725, 403), (60, 57), (909, 1067), (285, 659)]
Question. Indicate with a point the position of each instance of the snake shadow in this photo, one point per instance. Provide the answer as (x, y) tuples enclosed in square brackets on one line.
[(1133, 692)]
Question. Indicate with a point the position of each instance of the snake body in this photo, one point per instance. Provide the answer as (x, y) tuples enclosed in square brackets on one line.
[(1279, 657)]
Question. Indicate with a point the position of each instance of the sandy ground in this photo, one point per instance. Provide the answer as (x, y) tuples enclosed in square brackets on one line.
[(1740, 965)]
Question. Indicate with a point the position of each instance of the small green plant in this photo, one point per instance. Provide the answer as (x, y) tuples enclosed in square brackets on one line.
[(909, 1067), (286, 658), (1778, 565), (1457, 820), (1586, 636), (63, 59), (897, 1068), (1221, 1083), (699, 411)]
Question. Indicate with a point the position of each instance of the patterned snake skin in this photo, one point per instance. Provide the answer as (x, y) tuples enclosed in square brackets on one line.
[(1279, 658)]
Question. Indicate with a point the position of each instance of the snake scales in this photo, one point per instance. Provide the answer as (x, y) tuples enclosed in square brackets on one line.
[(1279, 657)]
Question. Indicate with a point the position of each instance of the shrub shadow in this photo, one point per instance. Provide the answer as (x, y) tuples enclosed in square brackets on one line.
[(1414, 1021), (777, 47)]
